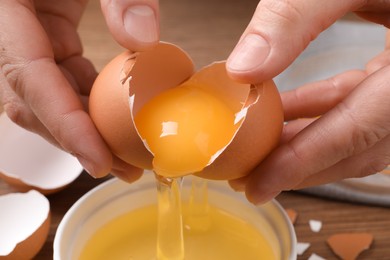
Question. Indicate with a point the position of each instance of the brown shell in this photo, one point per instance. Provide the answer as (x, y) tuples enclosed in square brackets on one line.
[(115, 99), (259, 133), (348, 246), (292, 215), (164, 66), (30, 247), (21, 186)]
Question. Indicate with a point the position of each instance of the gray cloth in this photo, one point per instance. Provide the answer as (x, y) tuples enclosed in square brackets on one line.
[(372, 190)]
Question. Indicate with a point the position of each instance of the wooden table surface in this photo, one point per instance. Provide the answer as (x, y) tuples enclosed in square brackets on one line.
[(208, 30)]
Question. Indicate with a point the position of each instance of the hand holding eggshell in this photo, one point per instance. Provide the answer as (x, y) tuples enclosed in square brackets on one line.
[(131, 79), (347, 132), (45, 81)]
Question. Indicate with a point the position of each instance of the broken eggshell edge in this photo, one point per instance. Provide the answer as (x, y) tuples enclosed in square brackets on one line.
[(24, 225), (132, 79), (27, 161), (163, 67), (263, 116), (214, 80)]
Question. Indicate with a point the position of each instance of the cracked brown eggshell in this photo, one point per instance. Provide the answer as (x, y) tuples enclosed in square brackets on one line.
[(24, 224), (27, 161), (131, 79)]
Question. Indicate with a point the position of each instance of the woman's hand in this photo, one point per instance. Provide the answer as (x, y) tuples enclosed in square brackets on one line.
[(45, 81), (348, 133)]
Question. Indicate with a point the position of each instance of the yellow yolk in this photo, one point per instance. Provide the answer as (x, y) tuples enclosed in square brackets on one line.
[(184, 127), (133, 236)]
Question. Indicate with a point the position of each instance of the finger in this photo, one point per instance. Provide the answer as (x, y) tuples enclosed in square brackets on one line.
[(378, 62), (125, 171), (376, 11), (25, 57), (381, 60), (60, 20), (355, 125), (317, 98), (292, 128), (366, 163), (58, 107), (239, 184), (387, 43), (133, 23), (277, 34), (72, 81), (15, 108), (82, 71)]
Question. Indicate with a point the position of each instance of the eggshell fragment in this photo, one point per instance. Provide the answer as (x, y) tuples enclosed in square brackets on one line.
[(386, 170), (27, 161), (24, 224), (292, 215), (302, 247), (348, 246), (315, 257), (315, 225), (131, 79)]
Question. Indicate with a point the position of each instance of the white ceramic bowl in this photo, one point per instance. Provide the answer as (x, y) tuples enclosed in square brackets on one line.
[(114, 198)]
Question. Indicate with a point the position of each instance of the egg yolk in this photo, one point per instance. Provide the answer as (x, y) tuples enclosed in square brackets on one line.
[(185, 127)]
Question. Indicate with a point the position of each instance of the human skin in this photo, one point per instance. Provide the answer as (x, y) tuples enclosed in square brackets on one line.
[(346, 130), (45, 82)]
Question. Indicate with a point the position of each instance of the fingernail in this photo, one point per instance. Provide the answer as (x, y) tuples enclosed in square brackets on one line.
[(140, 22), (87, 165), (249, 53), (238, 188), (263, 198), (128, 176), (237, 185)]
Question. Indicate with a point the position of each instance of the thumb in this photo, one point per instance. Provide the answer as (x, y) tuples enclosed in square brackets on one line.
[(278, 32), (134, 24)]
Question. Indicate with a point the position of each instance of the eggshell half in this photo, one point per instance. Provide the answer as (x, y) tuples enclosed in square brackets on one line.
[(260, 129), (24, 224), (148, 73), (130, 80), (27, 161)]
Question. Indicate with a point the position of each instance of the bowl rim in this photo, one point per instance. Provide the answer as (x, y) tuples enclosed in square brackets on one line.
[(117, 188)]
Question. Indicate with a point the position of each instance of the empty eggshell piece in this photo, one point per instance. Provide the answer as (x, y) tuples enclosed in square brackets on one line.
[(24, 224), (348, 246), (131, 80), (27, 161)]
